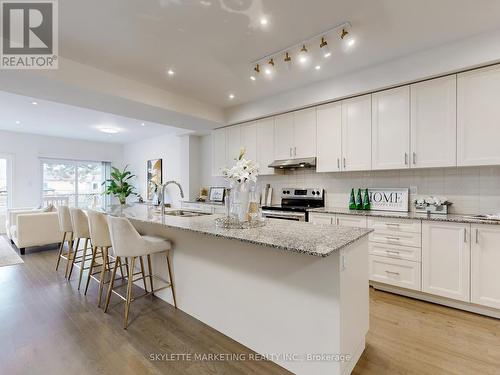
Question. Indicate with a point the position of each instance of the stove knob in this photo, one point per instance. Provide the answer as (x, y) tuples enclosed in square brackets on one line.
[(314, 193), (318, 193)]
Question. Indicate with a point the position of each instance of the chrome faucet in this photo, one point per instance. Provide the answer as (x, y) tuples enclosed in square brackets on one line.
[(162, 202)]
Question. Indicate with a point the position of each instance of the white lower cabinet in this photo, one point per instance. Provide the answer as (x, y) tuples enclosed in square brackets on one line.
[(350, 221), (485, 265), (338, 219), (321, 218), (446, 260), (396, 251), (398, 272)]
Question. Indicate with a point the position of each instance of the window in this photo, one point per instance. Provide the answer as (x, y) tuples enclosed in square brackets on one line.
[(3, 185), (80, 181)]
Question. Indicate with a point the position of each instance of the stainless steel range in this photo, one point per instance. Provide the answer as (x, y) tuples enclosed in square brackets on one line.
[(295, 203)]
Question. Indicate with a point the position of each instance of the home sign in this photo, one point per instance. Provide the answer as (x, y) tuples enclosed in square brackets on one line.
[(388, 199)]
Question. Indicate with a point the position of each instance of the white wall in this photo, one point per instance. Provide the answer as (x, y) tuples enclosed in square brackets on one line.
[(27, 149), (180, 161), (471, 189), (474, 51)]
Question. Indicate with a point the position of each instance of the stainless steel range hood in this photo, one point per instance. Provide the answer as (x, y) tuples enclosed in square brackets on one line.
[(294, 163)]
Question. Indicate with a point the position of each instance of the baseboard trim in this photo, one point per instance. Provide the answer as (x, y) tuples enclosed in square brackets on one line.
[(470, 307)]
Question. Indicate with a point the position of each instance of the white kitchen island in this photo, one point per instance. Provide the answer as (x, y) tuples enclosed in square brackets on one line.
[(295, 293)]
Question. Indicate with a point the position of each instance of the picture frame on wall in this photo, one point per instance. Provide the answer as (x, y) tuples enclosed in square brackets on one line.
[(217, 194), (154, 176)]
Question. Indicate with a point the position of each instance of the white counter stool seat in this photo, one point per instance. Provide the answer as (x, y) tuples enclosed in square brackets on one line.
[(66, 227), (81, 231), (101, 244), (128, 243)]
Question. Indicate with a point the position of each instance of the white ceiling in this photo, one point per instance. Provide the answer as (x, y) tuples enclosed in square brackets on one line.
[(61, 120), (210, 43)]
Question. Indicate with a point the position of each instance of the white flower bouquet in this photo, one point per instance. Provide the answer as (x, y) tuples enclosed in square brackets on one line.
[(243, 171), (432, 204)]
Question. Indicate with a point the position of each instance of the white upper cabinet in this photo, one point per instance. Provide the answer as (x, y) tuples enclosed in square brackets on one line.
[(249, 140), (391, 128), (304, 134), (478, 117), (218, 151), (434, 123), (233, 144), (283, 136), (265, 145), (329, 137), (356, 133), (446, 260), (485, 262)]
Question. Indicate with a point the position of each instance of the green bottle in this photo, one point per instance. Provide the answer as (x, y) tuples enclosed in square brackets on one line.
[(366, 200), (359, 201), (352, 200)]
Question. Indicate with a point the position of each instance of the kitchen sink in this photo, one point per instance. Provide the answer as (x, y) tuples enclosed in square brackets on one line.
[(184, 213)]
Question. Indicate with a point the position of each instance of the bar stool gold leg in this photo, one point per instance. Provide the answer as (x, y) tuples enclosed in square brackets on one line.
[(70, 251), (150, 274), (83, 262), (143, 275), (91, 268), (75, 253), (105, 263), (171, 280), (60, 250), (111, 283), (129, 291)]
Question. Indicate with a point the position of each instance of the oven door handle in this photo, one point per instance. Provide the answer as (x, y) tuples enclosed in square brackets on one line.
[(279, 215)]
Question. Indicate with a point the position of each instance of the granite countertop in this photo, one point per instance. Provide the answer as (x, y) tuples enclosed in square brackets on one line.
[(298, 237), (456, 218)]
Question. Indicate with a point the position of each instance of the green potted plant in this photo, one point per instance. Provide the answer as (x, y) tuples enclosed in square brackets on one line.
[(118, 184)]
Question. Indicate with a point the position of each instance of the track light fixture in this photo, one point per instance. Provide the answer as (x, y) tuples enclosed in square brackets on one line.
[(271, 61), (288, 61), (325, 48), (323, 43)]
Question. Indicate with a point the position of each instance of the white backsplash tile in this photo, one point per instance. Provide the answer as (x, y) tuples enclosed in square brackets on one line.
[(471, 189)]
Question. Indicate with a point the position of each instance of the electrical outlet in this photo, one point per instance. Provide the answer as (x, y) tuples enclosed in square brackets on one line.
[(413, 190)]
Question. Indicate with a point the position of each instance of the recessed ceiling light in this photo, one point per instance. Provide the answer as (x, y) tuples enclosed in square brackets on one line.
[(231, 96), (263, 21), (34, 103), (253, 78), (18, 122), (351, 42), (327, 54), (317, 67), (170, 72), (109, 130)]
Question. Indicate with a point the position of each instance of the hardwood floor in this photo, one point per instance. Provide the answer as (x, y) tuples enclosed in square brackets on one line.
[(47, 326)]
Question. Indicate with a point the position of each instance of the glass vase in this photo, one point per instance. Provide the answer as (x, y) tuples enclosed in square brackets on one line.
[(239, 201)]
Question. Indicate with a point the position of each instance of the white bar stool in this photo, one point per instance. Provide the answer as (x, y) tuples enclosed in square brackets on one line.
[(66, 227), (81, 231), (99, 237), (101, 242), (128, 243)]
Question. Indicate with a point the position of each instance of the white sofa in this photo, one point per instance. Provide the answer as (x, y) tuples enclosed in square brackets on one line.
[(28, 227)]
